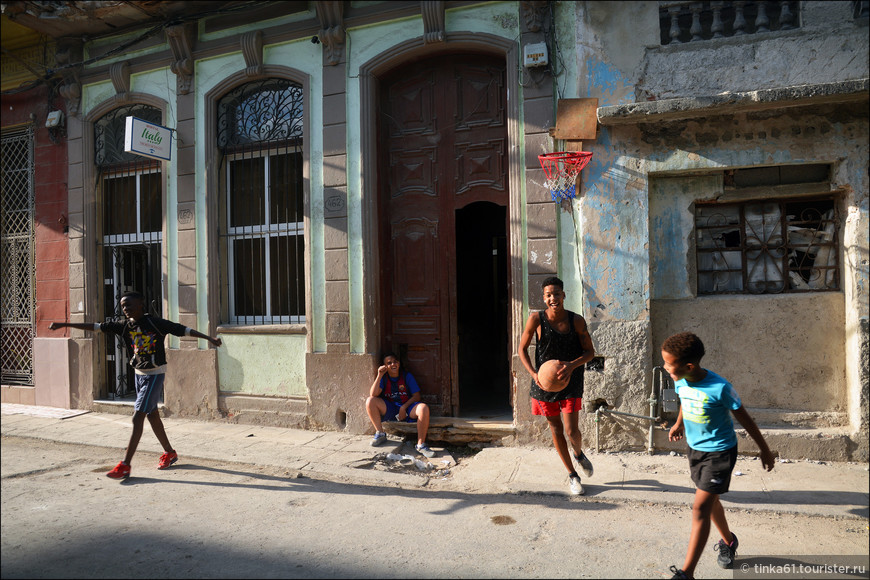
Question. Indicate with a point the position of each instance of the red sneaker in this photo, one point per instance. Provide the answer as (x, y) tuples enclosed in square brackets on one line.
[(121, 471), (167, 459)]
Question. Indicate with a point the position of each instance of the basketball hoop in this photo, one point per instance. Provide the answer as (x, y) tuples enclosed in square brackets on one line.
[(561, 169)]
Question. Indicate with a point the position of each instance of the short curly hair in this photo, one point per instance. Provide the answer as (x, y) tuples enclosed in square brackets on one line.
[(685, 346)]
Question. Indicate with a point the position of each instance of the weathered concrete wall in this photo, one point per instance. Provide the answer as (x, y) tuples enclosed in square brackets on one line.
[(829, 46), (339, 385), (190, 389), (779, 351), (635, 240)]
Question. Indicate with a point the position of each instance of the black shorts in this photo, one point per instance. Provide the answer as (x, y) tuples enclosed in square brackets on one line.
[(711, 470)]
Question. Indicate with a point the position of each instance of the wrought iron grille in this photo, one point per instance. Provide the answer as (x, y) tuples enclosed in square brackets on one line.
[(131, 206), (260, 135), (767, 247), (17, 291)]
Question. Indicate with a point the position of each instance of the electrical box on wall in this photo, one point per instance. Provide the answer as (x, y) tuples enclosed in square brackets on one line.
[(54, 119), (535, 55)]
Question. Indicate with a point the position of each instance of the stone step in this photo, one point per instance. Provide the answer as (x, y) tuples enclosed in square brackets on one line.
[(457, 431), (272, 412)]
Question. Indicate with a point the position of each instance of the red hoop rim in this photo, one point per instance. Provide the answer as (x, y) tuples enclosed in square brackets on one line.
[(570, 156), (561, 158)]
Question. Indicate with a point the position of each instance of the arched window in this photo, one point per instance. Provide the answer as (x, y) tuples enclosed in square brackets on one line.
[(260, 132), (130, 205)]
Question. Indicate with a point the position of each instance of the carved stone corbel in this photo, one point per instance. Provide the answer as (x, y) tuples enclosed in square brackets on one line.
[(433, 21), (533, 14), (181, 37), (331, 17), (252, 50), (68, 58), (119, 72)]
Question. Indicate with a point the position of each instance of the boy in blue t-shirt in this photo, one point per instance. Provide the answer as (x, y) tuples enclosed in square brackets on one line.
[(395, 395), (707, 402)]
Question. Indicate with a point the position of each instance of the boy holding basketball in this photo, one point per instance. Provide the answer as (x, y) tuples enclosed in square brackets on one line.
[(143, 337), (560, 335), (706, 404)]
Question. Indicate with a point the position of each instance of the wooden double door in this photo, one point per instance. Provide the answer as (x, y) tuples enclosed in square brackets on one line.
[(443, 165)]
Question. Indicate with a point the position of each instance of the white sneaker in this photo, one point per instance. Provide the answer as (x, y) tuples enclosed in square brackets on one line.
[(574, 483)]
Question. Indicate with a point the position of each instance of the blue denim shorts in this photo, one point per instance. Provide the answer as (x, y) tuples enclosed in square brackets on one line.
[(149, 391)]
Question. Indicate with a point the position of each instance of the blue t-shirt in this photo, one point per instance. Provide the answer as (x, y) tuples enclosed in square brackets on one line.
[(707, 406), (393, 390)]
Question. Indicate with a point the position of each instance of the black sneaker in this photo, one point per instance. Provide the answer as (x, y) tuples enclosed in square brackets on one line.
[(727, 552), (585, 464), (678, 574)]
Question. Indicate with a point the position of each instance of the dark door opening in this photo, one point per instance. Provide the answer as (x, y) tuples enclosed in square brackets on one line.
[(482, 304), (442, 131)]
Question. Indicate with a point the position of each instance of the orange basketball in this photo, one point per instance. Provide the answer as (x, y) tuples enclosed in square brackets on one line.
[(547, 377)]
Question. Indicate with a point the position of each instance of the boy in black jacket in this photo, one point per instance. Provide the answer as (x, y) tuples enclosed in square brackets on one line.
[(143, 336)]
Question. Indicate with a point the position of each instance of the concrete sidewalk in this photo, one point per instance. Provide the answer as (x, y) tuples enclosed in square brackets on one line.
[(801, 487)]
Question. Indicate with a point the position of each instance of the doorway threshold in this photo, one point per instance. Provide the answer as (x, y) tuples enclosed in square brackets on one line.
[(479, 427)]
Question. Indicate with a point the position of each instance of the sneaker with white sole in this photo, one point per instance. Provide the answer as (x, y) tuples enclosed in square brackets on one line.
[(727, 552), (585, 464), (424, 449), (574, 484), (379, 439)]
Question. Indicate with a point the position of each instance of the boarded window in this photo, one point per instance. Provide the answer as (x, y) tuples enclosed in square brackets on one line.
[(767, 247)]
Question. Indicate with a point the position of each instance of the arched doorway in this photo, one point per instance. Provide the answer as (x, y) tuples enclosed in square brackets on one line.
[(442, 146)]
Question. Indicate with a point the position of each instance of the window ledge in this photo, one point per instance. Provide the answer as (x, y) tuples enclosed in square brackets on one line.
[(733, 102), (263, 329)]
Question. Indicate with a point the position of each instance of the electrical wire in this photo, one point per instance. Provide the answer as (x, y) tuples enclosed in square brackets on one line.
[(51, 72)]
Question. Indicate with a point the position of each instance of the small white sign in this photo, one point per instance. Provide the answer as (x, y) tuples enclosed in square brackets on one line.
[(148, 139), (535, 55)]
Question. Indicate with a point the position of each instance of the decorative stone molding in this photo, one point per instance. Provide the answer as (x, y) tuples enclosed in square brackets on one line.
[(181, 37), (252, 50), (119, 72), (533, 14), (433, 21), (69, 59), (331, 17)]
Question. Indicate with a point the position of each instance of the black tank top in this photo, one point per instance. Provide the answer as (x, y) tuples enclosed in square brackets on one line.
[(553, 344)]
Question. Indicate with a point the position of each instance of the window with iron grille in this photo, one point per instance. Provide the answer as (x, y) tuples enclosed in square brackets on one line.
[(767, 247), (17, 269), (130, 198), (260, 134)]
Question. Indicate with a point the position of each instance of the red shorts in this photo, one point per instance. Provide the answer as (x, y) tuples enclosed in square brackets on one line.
[(552, 409)]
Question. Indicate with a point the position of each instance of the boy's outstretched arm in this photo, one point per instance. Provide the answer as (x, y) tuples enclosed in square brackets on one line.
[(198, 334), (79, 325), (767, 458), (676, 432)]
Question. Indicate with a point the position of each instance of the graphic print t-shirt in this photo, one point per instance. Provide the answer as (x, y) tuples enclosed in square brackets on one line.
[(144, 341), (707, 406), (399, 394)]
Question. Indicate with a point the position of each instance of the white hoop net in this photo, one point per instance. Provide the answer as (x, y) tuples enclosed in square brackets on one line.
[(561, 169)]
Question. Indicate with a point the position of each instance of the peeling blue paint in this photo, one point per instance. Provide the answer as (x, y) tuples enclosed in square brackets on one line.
[(607, 83)]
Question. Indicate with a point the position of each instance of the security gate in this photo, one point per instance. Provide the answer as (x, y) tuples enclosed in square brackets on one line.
[(17, 291)]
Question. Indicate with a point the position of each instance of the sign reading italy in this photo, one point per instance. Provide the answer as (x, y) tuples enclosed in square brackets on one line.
[(148, 139)]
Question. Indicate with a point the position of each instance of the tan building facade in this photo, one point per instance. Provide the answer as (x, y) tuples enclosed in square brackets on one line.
[(353, 177)]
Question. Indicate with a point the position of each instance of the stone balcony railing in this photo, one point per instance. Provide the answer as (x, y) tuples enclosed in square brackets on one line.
[(683, 22)]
